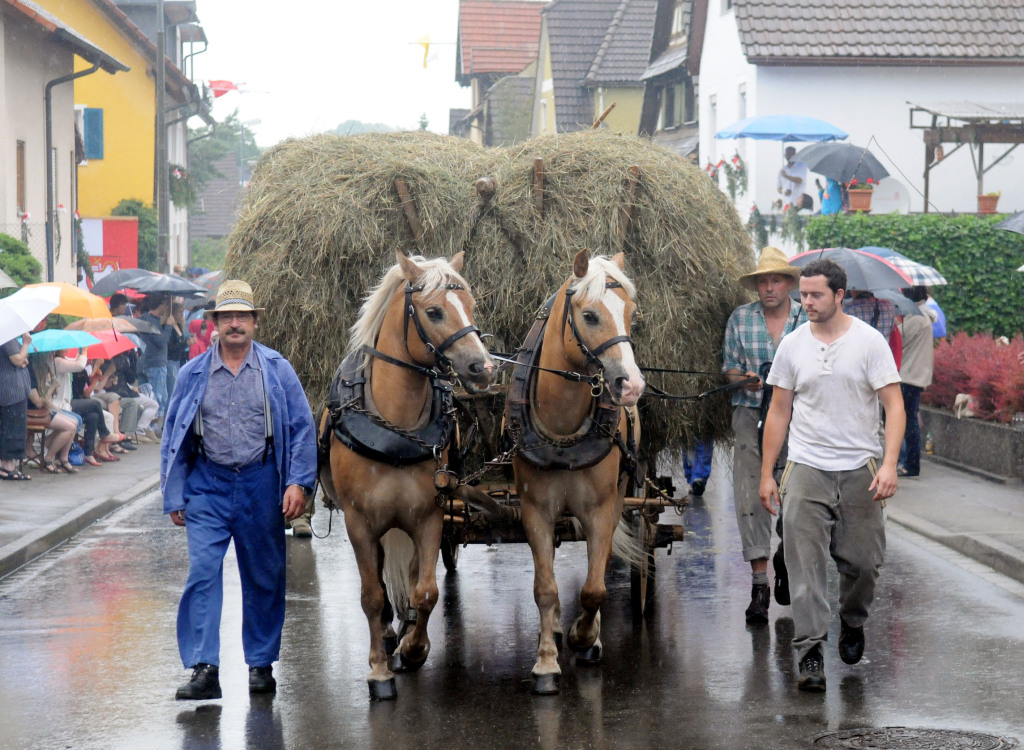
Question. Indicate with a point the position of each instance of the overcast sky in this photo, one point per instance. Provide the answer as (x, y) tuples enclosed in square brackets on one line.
[(309, 65)]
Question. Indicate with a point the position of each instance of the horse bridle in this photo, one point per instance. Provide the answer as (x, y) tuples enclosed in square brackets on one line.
[(592, 355), (441, 361)]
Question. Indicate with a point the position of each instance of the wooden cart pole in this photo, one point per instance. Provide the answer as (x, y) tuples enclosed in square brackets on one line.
[(410, 213)]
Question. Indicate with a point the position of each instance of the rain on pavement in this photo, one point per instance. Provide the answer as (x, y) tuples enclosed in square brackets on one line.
[(89, 658)]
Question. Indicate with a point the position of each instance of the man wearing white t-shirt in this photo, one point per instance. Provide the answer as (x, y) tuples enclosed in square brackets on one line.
[(829, 376), (792, 182)]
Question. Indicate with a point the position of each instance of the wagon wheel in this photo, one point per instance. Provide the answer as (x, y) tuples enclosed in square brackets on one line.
[(641, 577), (449, 552)]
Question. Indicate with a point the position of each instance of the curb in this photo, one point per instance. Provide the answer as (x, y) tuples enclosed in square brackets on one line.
[(18, 553), (990, 552)]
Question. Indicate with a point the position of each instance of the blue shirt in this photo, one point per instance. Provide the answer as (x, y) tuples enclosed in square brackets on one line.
[(294, 432), (155, 354), (234, 417)]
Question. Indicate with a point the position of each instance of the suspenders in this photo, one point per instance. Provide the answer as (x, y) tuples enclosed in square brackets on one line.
[(268, 424)]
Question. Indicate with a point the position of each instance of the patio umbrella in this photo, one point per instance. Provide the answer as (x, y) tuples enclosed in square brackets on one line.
[(55, 340), (783, 128), (6, 282), (75, 301), (167, 283), (1013, 224), (118, 280), (904, 305), (23, 310), (109, 346), (120, 324), (920, 273), (863, 271), (842, 162)]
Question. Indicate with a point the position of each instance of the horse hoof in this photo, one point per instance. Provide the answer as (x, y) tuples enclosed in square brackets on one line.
[(382, 690), (390, 644), (545, 684), (590, 657), (401, 665)]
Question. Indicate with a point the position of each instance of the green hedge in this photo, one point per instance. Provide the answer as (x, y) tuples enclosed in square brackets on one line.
[(17, 262), (985, 292)]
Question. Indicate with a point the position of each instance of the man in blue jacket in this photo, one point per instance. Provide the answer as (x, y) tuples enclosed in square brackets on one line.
[(237, 459)]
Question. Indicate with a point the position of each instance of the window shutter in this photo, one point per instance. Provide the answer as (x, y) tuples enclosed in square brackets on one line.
[(93, 121)]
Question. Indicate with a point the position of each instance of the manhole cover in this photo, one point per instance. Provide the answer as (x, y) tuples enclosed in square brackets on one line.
[(904, 738)]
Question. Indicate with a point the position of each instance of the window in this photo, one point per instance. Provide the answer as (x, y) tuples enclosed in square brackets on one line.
[(726, 6), (668, 119), (92, 132), (678, 18), (713, 115), (543, 127), (20, 166)]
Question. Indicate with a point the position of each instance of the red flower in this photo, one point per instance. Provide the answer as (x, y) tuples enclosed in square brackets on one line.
[(853, 182)]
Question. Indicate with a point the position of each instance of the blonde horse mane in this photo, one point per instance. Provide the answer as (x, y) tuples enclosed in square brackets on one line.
[(435, 274), (592, 286)]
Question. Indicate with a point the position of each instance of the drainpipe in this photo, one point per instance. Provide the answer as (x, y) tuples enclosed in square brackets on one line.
[(50, 187), (162, 188)]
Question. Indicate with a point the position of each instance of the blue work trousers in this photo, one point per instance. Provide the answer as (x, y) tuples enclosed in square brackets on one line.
[(697, 461), (157, 377), (244, 505)]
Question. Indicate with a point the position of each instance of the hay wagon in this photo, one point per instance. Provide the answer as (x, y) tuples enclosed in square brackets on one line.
[(324, 215)]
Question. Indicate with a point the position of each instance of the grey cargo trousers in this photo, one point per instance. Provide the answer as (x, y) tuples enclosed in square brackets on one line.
[(830, 512)]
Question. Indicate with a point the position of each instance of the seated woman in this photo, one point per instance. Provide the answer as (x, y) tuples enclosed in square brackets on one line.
[(99, 387), (63, 426), (88, 409)]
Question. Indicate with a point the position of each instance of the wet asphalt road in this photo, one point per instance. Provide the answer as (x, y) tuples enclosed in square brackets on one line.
[(89, 660)]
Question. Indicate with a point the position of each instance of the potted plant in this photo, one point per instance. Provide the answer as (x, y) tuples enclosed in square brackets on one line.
[(859, 194), (987, 202)]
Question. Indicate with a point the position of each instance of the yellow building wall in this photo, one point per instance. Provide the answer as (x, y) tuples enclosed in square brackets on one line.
[(128, 101), (625, 118)]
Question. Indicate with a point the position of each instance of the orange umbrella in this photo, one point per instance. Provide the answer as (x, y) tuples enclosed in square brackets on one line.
[(74, 301)]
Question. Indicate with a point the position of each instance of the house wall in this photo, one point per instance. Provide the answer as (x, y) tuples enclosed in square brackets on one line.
[(31, 59), (629, 102)]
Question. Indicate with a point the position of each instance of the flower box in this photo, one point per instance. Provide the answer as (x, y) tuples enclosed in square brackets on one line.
[(860, 200), (987, 204)]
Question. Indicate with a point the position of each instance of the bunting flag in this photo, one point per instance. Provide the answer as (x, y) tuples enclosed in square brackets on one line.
[(424, 41), (219, 88)]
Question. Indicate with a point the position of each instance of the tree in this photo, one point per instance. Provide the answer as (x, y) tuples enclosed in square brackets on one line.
[(355, 127), (424, 122), (210, 144), (17, 262)]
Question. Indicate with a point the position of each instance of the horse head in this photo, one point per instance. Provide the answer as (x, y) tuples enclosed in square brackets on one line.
[(439, 306), (598, 315)]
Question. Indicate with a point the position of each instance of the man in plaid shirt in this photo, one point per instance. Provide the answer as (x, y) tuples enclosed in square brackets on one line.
[(751, 338)]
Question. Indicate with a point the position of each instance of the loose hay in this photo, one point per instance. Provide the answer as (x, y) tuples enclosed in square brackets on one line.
[(322, 219)]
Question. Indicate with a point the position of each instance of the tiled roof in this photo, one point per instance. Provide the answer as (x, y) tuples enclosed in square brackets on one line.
[(626, 49), (668, 60), (881, 31), (576, 29), (496, 36), (217, 209)]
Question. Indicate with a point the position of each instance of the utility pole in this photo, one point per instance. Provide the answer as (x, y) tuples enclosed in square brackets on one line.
[(162, 177)]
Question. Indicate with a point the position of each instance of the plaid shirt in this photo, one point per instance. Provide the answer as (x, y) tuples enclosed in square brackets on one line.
[(748, 344), (880, 314)]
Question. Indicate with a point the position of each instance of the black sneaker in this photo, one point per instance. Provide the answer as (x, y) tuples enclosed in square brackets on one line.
[(204, 684), (261, 680), (128, 445), (757, 612), (697, 488), (781, 577), (851, 642), (812, 672)]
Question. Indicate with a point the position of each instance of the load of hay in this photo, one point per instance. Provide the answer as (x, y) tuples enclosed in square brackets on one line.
[(322, 219)]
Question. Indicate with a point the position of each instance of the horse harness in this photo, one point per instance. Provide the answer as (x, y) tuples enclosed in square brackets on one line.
[(578, 451)]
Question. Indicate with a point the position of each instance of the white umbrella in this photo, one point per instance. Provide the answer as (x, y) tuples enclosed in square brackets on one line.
[(6, 282), (24, 309)]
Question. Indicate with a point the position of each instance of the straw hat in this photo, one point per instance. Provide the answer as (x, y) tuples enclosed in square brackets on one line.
[(233, 296), (772, 260)]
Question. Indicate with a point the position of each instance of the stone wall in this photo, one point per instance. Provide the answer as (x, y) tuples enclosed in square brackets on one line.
[(990, 447)]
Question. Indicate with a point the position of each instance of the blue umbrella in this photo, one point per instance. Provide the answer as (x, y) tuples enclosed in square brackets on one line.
[(54, 340), (783, 128)]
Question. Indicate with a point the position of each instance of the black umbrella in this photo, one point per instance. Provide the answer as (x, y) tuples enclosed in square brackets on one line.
[(903, 304), (842, 162), (123, 279), (863, 271), (167, 283), (1014, 224)]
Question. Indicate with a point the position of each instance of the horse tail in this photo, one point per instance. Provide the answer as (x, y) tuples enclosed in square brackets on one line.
[(398, 552), (626, 546)]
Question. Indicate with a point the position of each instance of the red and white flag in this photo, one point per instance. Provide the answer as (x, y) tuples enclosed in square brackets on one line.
[(219, 88)]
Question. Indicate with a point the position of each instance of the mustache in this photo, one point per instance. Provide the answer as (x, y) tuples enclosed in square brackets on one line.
[(235, 330)]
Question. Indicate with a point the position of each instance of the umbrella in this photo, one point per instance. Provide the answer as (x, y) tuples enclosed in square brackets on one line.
[(122, 279), (920, 273), (783, 128), (23, 310), (842, 162), (54, 340), (75, 301), (109, 346), (167, 283), (1014, 224), (904, 305), (211, 280), (120, 324), (863, 271), (6, 282)]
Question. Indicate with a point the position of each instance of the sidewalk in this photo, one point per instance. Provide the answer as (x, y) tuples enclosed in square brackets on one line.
[(976, 517)]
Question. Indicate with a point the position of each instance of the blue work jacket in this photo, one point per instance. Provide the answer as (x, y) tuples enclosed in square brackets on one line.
[(294, 432)]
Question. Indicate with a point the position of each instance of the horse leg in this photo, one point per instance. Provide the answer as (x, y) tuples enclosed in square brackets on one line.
[(381, 680), (540, 532), (415, 645), (387, 614), (584, 635)]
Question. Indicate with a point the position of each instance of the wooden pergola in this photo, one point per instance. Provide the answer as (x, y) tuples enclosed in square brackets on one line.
[(971, 124)]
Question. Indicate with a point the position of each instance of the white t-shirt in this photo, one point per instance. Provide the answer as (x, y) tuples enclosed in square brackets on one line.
[(835, 404), (796, 169)]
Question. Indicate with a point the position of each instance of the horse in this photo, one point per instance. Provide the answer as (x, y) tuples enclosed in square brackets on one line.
[(572, 410), (384, 446)]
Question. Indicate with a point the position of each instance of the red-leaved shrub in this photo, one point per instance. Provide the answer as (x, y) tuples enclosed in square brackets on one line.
[(982, 367)]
